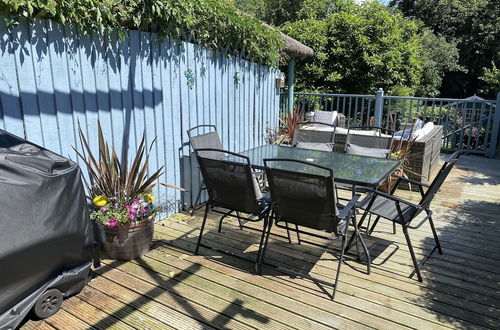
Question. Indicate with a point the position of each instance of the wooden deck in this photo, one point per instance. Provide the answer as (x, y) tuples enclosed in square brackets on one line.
[(172, 288)]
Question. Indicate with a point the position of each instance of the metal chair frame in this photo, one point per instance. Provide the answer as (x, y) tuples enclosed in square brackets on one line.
[(211, 204), (347, 214), (202, 186), (423, 206)]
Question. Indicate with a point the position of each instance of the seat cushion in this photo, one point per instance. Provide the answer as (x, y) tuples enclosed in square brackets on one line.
[(326, 117), (353, 149), (315, 146), (386, 208)]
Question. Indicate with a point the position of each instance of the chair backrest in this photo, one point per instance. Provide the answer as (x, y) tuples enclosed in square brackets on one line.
[(205, 140), (376, 138), (438, 180), (230, 184), (301, 198), (317, 135)]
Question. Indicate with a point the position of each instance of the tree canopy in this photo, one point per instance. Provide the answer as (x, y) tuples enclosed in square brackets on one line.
[(429, 47), (474, 25)]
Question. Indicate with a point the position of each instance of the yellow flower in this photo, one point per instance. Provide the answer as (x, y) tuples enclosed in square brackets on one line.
[(100, 200), (150, 198)]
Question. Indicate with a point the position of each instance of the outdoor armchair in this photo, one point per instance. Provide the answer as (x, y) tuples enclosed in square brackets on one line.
[(232, 186), (369, 141), (402, 212), (302, 193), (316, 136)]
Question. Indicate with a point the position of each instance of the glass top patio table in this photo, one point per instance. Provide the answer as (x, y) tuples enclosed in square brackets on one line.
[(347, 169)]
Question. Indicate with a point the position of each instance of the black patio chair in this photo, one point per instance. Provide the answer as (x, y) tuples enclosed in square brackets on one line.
[(402, 212), (378, 146), (309, 200), (204, 140), (231, 185), (316, 139)]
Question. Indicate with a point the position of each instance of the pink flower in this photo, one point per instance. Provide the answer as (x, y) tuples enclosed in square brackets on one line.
[(103, 208), (131, 209), (144, 210), (136, 202), (131, 216), (112, 222)]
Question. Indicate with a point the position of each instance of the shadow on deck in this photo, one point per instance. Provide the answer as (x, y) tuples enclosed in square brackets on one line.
[(172, 288)]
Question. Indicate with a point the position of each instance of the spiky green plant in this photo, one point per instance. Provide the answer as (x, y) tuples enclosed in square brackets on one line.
[(113, 178), (289, 123)]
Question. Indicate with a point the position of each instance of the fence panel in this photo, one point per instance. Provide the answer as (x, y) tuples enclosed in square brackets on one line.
[(52, 78)]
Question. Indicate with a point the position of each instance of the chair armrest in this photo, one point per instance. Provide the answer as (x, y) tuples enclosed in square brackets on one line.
[(344, 213), (396, 199), (411, 181)]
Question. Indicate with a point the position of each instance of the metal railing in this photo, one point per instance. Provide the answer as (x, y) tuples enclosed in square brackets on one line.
[(470, 124)]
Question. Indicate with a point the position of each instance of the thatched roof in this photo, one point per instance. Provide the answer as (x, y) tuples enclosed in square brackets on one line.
[(294, 48)]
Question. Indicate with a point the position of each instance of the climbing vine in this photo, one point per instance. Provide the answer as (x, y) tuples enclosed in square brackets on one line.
[(216, 24)]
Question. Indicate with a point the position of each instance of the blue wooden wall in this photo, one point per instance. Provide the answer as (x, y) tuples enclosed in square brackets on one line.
[(52, 77)]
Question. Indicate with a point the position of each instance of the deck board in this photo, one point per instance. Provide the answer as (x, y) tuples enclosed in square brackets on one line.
[(170, 287)]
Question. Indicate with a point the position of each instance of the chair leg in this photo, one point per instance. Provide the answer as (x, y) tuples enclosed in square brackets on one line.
[(222, 218), (412, 253), (394, 228), (239, 220), (298, 234), (367, 253), (370, 231), (264, 247), (288, 233), (434, 233), (201, 229), (259, 253), (196, 201), (341, 260), (356, 235)]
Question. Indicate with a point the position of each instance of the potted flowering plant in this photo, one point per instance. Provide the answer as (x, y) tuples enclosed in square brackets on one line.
[(121, 201)]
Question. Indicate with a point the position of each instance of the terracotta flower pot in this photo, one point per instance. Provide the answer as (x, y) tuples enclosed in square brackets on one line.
[(128, 242)]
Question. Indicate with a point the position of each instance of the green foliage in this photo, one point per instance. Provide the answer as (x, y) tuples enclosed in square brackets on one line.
[(474, 25), (358, 50), (212, 23), (491, 78), (438, 57)]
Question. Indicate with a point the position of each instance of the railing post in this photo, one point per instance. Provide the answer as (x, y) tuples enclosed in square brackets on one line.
[(495, 128), (379, 106), (291, 84)]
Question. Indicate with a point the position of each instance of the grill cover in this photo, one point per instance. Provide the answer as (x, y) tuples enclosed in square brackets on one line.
[(46, 236)]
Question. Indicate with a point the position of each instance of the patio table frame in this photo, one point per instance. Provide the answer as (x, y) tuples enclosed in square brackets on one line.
[(360, 185)]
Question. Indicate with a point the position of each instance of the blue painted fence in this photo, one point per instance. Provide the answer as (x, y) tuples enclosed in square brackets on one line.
[(52, 77)]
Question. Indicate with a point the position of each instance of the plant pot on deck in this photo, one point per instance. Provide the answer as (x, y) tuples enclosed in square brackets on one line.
[(129, 241), (387, 185)]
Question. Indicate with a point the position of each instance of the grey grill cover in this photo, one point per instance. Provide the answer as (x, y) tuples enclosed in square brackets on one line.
[(46, 237)]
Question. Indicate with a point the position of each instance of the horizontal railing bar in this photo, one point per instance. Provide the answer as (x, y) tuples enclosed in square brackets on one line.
[(392, 97), (438, 99), (336, 95)]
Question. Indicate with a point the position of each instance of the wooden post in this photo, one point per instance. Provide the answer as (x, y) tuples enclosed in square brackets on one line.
[(496, 127), (291, 83), (379, 105)]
